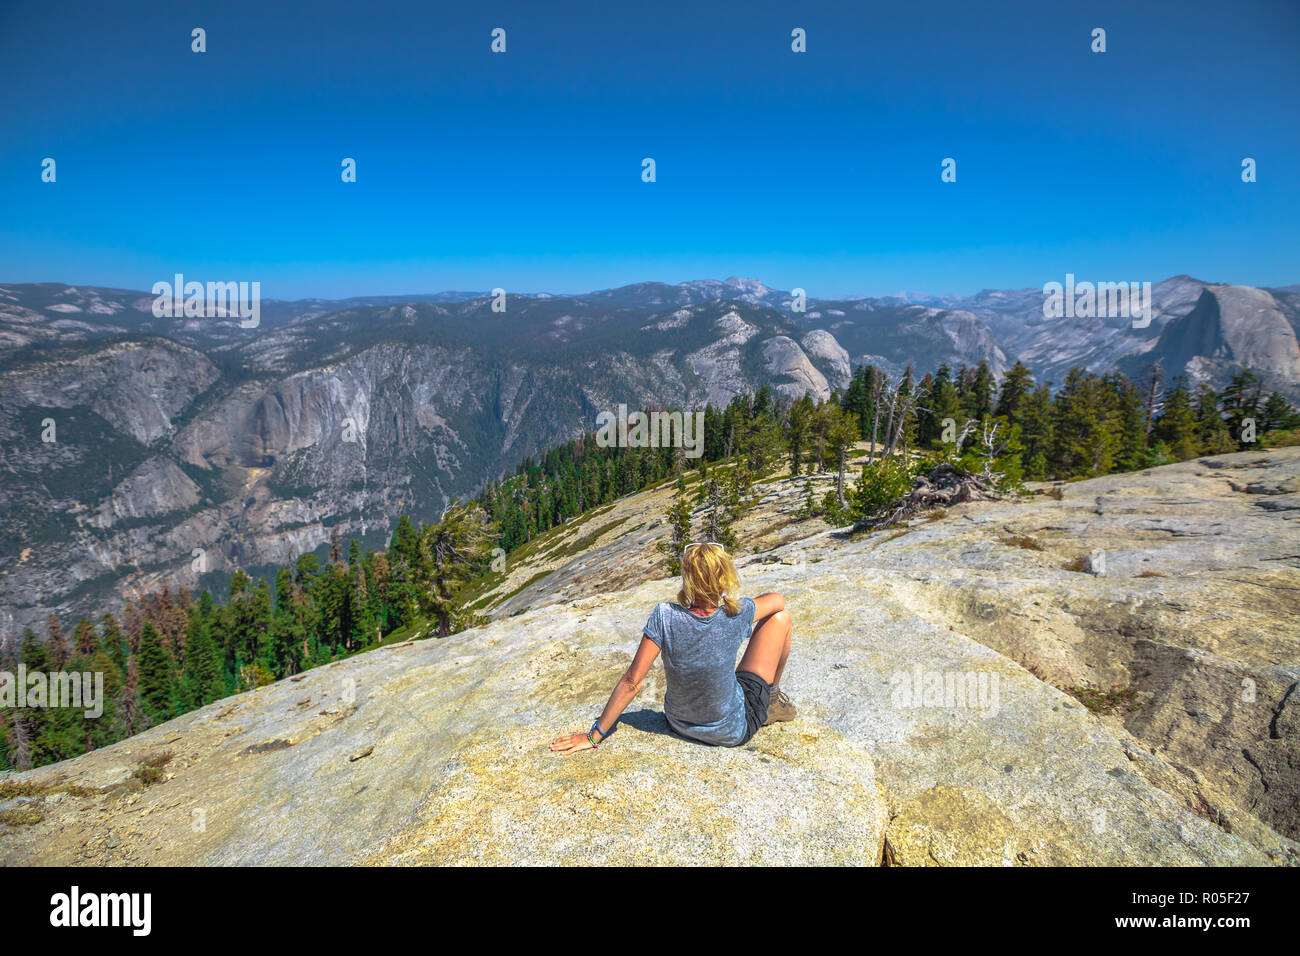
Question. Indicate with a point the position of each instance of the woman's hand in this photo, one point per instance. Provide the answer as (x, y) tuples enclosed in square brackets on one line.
[(571, 744)]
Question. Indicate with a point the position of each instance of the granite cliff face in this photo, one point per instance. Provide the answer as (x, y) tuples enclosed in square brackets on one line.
[(175, 463), (928, 669), (891, 336), (1203, 330)]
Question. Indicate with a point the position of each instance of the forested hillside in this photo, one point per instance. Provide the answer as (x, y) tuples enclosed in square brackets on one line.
[(170, 653)]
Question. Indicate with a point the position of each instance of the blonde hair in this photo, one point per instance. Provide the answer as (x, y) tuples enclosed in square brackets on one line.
[(709, 577)]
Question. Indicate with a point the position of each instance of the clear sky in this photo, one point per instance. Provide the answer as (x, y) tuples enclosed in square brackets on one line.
[(523, 170)]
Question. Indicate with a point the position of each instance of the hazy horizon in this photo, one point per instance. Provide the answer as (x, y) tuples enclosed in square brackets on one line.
[(532, 293)]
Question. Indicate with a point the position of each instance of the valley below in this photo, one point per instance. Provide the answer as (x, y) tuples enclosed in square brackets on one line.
[(139, 452)]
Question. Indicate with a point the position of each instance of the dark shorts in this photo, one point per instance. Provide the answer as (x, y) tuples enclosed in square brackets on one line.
[(758, 694)]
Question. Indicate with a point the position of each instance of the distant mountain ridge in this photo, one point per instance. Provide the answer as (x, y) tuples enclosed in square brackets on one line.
[(179, 437)]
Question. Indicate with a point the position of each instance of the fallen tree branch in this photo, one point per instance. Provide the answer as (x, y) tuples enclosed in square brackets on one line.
[(943, 486)]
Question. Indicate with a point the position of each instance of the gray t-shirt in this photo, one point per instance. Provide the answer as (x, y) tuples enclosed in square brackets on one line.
[(704, 700)]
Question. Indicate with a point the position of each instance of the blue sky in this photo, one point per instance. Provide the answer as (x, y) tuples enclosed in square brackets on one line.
[(522, 170)]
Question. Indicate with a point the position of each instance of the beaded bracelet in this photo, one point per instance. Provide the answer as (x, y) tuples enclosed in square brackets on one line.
[(595, 729)]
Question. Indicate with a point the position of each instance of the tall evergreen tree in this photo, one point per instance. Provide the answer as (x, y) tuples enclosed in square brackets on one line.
[(679, 524), (1242, 400), (945, 406), (202, 673), (1276, 416), (799, 430), (1177, 427), (1211, 430), (841, 436), (1130, 423), (157, 677), (979, 394), (1017, 385)]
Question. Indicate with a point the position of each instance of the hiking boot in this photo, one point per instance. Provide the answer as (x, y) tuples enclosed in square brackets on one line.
[(779, 707)]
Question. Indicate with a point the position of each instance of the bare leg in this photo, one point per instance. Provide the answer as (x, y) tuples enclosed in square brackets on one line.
[(769, 647)]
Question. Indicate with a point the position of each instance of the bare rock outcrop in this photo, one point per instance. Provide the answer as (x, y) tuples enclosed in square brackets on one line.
[(458, 769), (933, 726)]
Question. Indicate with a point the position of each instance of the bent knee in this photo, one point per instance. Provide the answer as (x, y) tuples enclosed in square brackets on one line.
[(782, 620)]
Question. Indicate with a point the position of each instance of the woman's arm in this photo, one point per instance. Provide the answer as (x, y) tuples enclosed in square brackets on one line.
[(628, 686), (765, 605)]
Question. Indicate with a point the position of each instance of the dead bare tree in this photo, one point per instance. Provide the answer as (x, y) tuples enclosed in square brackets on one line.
[(877, 390), (908, 403), (889, 427), (1154, 394), (966, 430), (992, 448)]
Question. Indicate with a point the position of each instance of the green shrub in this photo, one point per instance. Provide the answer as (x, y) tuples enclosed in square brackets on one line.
[(883, 483), (1280, 439)]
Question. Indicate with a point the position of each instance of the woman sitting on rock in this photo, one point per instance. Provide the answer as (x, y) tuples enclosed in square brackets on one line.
[(710, 698)]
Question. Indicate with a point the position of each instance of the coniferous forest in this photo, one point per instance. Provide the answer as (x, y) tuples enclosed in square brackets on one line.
[(170, 653)]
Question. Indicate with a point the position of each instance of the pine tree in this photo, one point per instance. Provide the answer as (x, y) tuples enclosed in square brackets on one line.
[(331, 599), (306, 569), (131, 717), (202, 674), (26, 724), (879, 382), (1211, 430), (6, 764), (1177, 428), (1035, 421), (978, 398), (926, 429), (679, 525), (817, 435), (359, 617), (841, 435), (717, 519), (102, 730), (1276, 419), (113, 641), (450, 553), (858, 397), (798, 430), (945, 406), (157, 677), (722, 505), (995, 453), (61, 734), (57, 643), (377, 580), (882, 484), (1130, 423), (760, 444), (1085, 427), (1242, 400), (84, 639), (405, 540), (1017, 385), (18, 742)]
